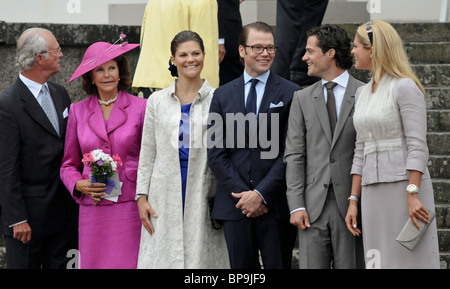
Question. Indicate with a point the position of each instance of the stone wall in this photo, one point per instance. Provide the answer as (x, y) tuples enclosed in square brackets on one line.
[(73, 39)]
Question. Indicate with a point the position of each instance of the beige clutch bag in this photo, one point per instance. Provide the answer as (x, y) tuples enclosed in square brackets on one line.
[(410, 236)]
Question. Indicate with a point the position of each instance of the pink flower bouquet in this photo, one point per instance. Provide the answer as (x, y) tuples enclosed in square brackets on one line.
[(104, 169)]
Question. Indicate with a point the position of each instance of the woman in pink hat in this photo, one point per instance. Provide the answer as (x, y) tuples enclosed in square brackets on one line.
[(110, 119)]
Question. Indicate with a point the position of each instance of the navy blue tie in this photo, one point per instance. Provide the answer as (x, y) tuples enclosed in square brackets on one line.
[(251, 98)]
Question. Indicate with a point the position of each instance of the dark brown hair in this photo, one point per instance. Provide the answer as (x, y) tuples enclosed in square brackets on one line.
[(258, 26), (124, 75), (180, 38), (185, 36)]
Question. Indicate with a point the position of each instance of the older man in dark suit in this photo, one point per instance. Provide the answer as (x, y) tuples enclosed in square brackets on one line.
[(251, 195), (39, 216)]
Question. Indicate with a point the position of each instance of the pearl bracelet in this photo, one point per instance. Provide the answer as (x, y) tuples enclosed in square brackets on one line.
[(353, 197)]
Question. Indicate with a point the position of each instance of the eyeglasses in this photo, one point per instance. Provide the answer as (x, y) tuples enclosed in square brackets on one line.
[(56, 51), (258, 49), (369, 31)]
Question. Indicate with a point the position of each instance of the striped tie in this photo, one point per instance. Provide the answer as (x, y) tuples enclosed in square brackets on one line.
[(47, 107)]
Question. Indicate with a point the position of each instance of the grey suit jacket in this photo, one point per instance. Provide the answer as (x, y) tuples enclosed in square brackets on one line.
[(313, 158)]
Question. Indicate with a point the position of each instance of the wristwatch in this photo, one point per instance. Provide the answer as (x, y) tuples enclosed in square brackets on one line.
[(412, 189)]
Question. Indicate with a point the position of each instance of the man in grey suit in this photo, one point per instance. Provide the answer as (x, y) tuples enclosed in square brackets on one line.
[(319, 151)]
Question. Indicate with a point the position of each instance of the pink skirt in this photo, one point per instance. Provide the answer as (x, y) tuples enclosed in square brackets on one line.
[(109, 236)]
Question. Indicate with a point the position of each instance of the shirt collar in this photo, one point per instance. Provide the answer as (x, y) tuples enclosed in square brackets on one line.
[(262, 78), (341, 80), (33, 86), (203, 91)]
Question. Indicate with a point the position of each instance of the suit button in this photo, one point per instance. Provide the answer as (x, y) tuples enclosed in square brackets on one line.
[(332, 161), (325, 186), (106, 145)]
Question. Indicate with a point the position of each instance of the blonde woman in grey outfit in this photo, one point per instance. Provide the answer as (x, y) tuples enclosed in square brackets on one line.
[(391, 153)]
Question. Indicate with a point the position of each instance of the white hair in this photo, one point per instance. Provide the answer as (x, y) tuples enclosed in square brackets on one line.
[(31, 43)]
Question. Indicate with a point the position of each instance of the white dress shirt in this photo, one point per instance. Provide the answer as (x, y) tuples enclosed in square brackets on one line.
[(35, 89), (338, 90), (260, 87)]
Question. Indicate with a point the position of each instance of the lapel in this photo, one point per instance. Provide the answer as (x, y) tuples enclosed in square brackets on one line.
[(117, 118), (119, 114), (238, 95), (346, 108), (271, 94), (59, 106), (34, 109), (321, 109)]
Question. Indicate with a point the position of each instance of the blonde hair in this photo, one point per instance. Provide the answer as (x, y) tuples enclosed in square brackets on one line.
[(388, 53)]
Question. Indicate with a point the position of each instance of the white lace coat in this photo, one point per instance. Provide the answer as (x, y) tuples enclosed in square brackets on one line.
[(179, 241)]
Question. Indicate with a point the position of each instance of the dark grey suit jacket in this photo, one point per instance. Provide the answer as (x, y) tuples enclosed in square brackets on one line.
[(313, 158)]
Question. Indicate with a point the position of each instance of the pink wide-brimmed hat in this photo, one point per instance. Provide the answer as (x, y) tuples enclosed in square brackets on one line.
[(101, 52)]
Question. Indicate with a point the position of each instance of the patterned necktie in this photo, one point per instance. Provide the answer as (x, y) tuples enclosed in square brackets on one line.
[(251, 98), (331, 105), (47, 107)]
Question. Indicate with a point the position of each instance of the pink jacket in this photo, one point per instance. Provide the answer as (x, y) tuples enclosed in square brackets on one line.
[(86, 132)]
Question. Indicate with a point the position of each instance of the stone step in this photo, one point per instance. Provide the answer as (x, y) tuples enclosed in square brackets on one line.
[(433, 74), (413, 32), (443, 216), (438, 121), (445, 260), (430, 75), (423, 32), (439, 167), (2, 257), (428, 52), (441, 189), (444, 240), (438, 143), (438, 97), (443, 256)]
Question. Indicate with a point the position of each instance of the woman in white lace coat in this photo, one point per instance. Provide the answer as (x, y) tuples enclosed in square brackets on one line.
[(174, 181), (391, 154)]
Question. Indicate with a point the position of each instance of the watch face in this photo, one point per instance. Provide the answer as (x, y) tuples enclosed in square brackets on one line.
[(411, 188)]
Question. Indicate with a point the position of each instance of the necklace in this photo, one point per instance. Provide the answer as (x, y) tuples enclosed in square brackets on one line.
[(108, 102), (189, 97)]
